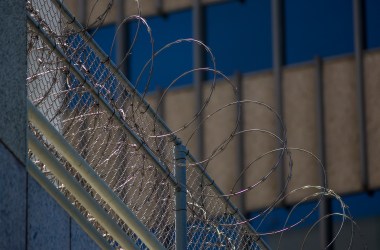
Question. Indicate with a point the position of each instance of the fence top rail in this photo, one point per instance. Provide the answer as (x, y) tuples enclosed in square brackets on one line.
[(128, 85)]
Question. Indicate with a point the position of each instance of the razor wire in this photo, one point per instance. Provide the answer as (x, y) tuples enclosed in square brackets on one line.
[(94, 107)]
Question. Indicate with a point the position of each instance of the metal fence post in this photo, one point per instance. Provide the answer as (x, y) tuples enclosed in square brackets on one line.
[(326, 226), (199, 75), (180, 196)]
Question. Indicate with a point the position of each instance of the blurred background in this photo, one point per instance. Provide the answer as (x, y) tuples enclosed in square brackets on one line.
[(315, 62)]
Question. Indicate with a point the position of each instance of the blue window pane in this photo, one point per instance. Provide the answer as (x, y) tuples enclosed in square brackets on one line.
[(104, 37), (372, 8), (357, 203), (169, 64), (317, 27), (239, 35), (275, 220)]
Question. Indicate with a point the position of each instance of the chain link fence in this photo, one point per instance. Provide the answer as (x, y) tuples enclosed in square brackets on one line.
[(94, 107)]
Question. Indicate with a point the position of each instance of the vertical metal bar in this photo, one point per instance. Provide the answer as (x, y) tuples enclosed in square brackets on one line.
[(240, 143), (82, 17), (359, 45), (325, 226), (121, 38), (278, 60), (198, 62), (160, 97), (122, 63), (180, 196), (160, 7), (198, 57), (82, 12)]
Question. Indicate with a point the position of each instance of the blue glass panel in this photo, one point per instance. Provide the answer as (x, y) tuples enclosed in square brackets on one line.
[(372, 8), (317, 27), (361, 205), (170, 63), (239, 35), (277, 218), (104, 37)]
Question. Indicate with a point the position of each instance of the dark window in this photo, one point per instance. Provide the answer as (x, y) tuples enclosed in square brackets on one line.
[(170, 63), (239, 35), (372, 9), (317, 27), (104, 37)]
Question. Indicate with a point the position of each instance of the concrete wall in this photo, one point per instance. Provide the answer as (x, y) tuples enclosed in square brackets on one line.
[(12, 201), (13, 77), (148, 8), (300, 105), (29, 217), (49, 226), (260, 88), (300, 117), (342, 131), (372, 89), (13, 178)]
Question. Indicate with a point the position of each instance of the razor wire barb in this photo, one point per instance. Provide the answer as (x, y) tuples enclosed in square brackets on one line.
[(100, 113)]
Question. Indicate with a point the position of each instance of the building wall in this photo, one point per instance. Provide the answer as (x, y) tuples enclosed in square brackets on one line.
[(96, 8), (243, 42), (13, 178), (29, 217), (300, 119), (49, 226), (372, 76)]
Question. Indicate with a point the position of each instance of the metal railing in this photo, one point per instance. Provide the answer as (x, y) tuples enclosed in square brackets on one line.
[(112, 145)]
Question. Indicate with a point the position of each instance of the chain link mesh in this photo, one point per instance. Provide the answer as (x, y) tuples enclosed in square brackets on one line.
[(99, 135)]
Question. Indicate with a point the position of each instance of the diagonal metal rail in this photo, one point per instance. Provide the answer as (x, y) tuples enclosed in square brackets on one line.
[(126, 83), (80, 164), (117, 116), (115, 113), (75, 188), (74, 213)]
